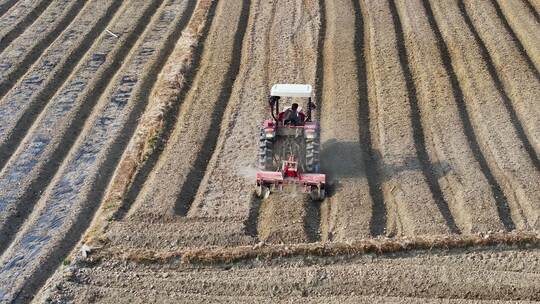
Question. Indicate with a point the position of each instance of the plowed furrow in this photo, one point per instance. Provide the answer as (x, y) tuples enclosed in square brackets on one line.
[(397, 131), (25, 50), (66, 208), (518, 80), (348, 212), (54, 132), (506, 155), (144, 150), (523, 25), (19, 18), (173, 185), (457, 163), (5, 5), (20, 107)]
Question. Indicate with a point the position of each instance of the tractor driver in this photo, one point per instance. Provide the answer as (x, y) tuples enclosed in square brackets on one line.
[(291, 116)]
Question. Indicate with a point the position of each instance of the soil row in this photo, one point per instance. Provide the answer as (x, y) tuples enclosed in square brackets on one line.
[(450, 143), (5, 5), (62, 213), (486, 103), (522, 25), (38, 156), (26, 99), (18, 18), (171, 187), (518, 76), (398, 136), (19, 56)]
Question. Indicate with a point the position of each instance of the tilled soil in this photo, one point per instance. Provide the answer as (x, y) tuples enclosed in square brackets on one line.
[(519, 77), (18, 17), (408, 182), (355, 195), (524, 25), (456, 160), (429, 125), (17, 57), (485, 275), (171, 187), (486, 106)]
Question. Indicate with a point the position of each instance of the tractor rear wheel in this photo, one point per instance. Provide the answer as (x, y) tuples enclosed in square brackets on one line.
[(312, 155), (266, 153)]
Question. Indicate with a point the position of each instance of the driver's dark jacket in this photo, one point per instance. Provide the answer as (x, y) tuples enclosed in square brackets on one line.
[(292, 117)]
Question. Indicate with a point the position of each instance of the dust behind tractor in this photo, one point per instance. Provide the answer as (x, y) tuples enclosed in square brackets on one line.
[(289, 145)]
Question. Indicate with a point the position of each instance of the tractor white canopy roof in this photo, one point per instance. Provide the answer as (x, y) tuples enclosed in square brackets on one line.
[(291, 90)]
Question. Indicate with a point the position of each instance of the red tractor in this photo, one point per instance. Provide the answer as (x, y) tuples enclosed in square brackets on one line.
[(289, 146)]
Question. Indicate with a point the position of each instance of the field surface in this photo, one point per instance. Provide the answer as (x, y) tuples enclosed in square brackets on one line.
[(129, 140)]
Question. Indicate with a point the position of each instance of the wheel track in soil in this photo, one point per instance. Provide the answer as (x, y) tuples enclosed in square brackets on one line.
[(508, 160), (188, 151), (27, 98), (525, 30), (518, 78), (456, 160), (71, 197), (19, 56), (39, 155), (9, 33)]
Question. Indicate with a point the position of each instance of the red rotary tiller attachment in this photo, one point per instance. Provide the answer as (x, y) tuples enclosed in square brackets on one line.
[(290, 178)]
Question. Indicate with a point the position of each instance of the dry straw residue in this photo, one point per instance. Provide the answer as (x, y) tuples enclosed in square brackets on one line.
[(376, 246)]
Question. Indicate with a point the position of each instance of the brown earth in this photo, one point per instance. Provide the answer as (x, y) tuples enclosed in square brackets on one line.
[(138, 121)]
